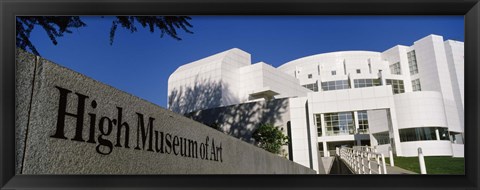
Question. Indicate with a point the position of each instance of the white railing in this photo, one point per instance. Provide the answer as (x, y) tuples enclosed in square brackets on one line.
[(366, 148), (363, 162)]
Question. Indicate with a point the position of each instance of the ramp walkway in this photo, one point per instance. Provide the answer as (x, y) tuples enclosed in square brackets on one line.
[(397, 170)]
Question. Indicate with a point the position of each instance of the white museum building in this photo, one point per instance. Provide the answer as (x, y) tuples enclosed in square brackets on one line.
[(403, 98)]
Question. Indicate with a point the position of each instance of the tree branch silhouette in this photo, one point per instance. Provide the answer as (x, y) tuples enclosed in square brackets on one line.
[(56, 26)]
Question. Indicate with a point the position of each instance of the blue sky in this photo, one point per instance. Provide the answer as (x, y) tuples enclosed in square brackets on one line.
[(140, 63)]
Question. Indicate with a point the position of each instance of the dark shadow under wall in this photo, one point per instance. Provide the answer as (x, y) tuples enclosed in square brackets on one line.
[(339, 167)]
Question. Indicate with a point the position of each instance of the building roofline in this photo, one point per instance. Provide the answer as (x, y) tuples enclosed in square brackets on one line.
[(327, 54)]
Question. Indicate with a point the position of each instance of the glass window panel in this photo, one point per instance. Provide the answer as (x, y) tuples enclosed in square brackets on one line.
[(395, 68), (412, 62), (422, 134), (397, 85), (341, 123), (416, 85), (443, 132)]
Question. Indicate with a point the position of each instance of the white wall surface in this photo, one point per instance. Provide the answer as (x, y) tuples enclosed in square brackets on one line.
[(435, 76), (420, 109), (351, 99), (377, 121), (430, 148), (383, 149), (456, 61), (458, 150), (211, 78)]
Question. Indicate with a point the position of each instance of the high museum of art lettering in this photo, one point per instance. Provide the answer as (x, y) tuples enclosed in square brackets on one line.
[(158, 141)]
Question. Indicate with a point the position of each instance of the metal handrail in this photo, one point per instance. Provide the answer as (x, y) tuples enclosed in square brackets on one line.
[(366, 148), (360, 161)]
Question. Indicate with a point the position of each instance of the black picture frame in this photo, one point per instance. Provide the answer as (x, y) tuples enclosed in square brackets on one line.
[(9, 9)]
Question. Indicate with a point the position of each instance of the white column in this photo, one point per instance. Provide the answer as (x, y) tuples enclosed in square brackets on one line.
[(383, 163), (421, 160), (437, 134), (351, 81), (380, 75), (355, 118), (322, 120), (390, 153), (324, 133), (325, 149)]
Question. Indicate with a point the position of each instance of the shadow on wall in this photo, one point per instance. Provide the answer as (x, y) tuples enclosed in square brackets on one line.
[(242, 120), (202, 94), (204, 100)]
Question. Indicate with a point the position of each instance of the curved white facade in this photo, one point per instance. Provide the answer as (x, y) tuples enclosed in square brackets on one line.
[(430, 148), (420, 109), (346, 62), (405, 97)]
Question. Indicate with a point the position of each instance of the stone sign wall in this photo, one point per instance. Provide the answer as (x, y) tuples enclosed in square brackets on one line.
[(67, 123)]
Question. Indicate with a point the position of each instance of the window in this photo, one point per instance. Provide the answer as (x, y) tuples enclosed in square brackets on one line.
[(360, 83), (309, 76), (362, 122), (397, 85), (340, 123), (416, 85), (320, 147), (423, 134), (395, 69), (382, 138), (318, 121), (443, 133), (335, 85), (358, 71), (334, 72), (412, 62), (312, 86)]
